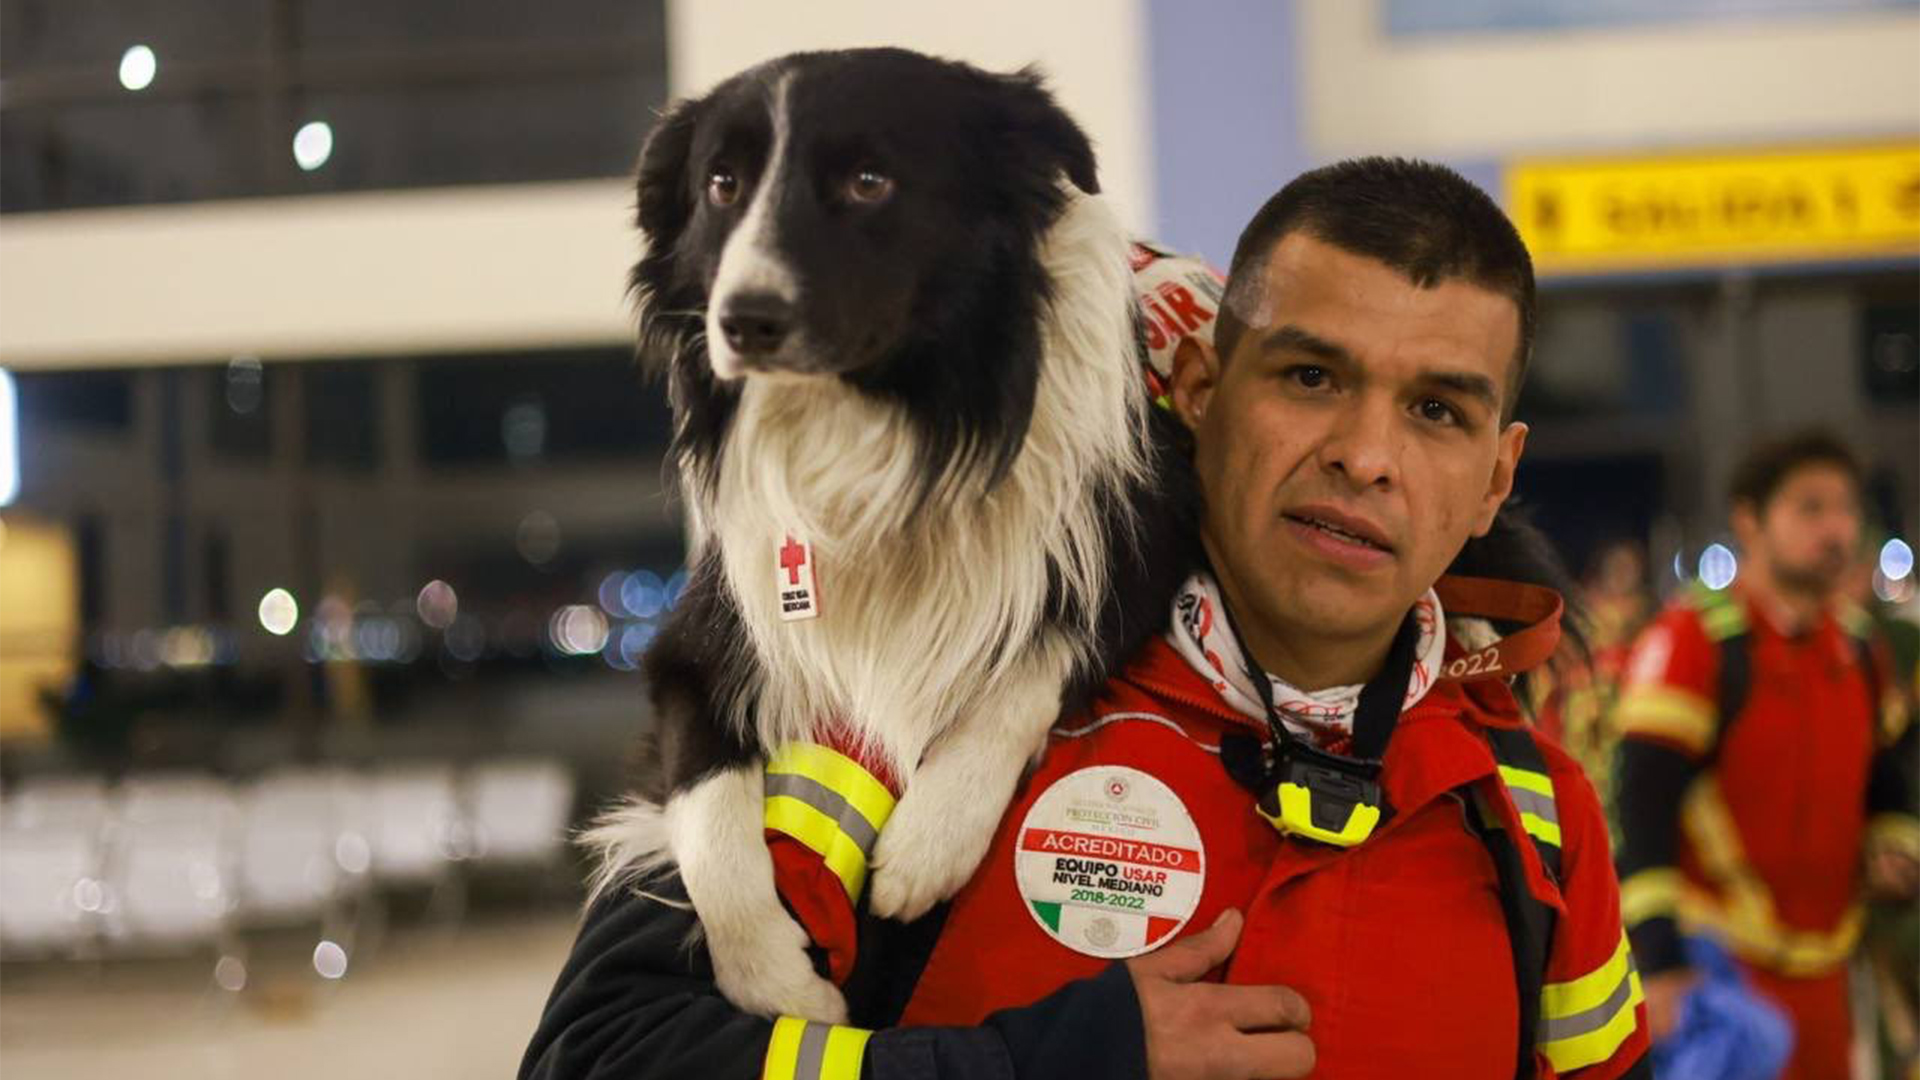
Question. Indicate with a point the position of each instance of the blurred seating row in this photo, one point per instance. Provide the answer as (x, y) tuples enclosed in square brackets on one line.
[(180, 860)]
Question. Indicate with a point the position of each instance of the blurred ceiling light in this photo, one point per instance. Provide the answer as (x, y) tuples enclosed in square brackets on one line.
[(523, 430), (1718, 567), (643, 594), (609, 594), (466, 638), (352, 853), (329, 960), (137, 67), (9, 440), (538, 538), (1893, 590), (279, 612), (313, 145), (1896, 559), (231, 974), (244, 384), (634, 641), (578, 629), (438, 604)]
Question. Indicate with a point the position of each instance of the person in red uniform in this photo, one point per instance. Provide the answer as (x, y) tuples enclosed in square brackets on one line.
[(1306, 832), (1759, 776)]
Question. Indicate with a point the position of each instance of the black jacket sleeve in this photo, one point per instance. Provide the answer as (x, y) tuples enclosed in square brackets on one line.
[(636, 1000), (1891, 785), (1652, 781)]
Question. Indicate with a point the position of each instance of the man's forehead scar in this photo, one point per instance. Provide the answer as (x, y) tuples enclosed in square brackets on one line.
[(1251, 302)]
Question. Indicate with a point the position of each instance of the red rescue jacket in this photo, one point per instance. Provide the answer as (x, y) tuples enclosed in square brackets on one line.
[(1130, 834)]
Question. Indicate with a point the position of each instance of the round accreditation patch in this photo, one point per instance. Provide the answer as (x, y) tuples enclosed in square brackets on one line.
[(1110, 862)]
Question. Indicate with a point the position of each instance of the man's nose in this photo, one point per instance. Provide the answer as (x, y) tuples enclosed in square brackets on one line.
[(1363, 446)]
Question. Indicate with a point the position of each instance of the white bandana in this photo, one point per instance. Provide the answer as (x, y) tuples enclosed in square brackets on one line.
[(1201, 635)]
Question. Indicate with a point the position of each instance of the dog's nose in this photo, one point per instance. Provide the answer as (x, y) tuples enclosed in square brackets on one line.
[(756, 323)]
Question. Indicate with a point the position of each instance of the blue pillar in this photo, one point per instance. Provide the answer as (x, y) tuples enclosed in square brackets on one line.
[(1223, 78)]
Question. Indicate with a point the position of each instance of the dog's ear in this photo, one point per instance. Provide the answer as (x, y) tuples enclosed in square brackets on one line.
[(1037, 124), (665, 194)]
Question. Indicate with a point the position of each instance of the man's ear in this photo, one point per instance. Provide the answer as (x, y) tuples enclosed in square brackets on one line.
[(1506, 461), (1196, 371), (1745, 518)]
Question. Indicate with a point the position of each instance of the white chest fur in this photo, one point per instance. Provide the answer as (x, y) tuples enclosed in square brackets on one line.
[(920, 613)]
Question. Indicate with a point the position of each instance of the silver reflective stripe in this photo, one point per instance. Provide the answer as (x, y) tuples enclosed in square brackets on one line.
[(811, 1061), (1590, 1020), (1532, 802), (829, 802)]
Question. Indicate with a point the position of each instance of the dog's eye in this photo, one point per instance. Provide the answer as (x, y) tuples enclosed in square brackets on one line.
[(723, 188), (869, 186)]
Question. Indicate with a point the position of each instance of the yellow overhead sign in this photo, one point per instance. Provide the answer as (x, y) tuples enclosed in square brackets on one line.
[(1669, 212)]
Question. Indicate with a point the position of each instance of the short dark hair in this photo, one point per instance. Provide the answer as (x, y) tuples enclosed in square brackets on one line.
[(1424, 220), (1767, 465)]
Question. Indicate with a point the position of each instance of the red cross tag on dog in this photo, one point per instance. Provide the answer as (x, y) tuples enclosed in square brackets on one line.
[(798, 597)]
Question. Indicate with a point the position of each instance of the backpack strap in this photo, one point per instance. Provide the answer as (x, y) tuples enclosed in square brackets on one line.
[(1530, 921), (1863, 633), (1725, 622)]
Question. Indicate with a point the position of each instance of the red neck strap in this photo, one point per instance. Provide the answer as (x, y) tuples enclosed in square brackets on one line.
[(1536, 606)]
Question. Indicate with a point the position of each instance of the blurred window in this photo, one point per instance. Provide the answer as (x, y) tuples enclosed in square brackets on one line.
[(527, 408), (98, 401), (239, 409), (1890, 334), (108, 103), (342, 415)]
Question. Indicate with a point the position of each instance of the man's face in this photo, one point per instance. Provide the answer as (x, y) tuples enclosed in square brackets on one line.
[(1808, 531), (1353, 441)]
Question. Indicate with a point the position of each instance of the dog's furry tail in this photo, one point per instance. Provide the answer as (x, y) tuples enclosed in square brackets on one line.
[(629, 846)]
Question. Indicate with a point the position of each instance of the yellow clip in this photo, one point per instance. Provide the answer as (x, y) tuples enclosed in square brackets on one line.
[(1296, 817)]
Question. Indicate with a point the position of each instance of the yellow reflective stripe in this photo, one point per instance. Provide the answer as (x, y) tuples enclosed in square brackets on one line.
[(802, 1050), (839, 774), (1898, 833), (1649, 894), (845, 1048), (824, 836), (1563, 999), (1668, 712), (1598, 1044), (783, 1050), (1584, 1020), (1721, 616), (1540, 828), (1763, 942), (1743, 915), (1527, 780)]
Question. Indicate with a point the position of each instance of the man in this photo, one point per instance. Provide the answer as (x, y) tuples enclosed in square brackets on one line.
[(1306, 766), (1758, 767)]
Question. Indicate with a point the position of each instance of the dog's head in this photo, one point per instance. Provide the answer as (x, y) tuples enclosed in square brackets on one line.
[(858, 215)]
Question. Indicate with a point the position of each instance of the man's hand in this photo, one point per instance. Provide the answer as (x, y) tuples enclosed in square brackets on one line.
[(1664, 993), (1209, 1031)]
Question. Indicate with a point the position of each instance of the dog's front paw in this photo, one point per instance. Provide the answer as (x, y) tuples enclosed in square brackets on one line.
[(769, 972), (924, 856)]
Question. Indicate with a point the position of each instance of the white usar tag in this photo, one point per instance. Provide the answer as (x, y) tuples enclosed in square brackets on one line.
[(799, 599)]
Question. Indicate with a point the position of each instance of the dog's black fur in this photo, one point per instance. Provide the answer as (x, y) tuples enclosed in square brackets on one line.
[(936, 307)]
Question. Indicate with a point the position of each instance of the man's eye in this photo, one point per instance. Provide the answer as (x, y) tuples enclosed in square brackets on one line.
[(1308, 376), (1439, 412), (723, 188)]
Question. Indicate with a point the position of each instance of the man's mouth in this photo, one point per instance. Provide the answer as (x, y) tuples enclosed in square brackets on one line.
[(1341, 527)]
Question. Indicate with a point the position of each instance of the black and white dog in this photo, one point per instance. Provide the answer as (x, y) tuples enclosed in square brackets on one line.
[(897, 329)]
